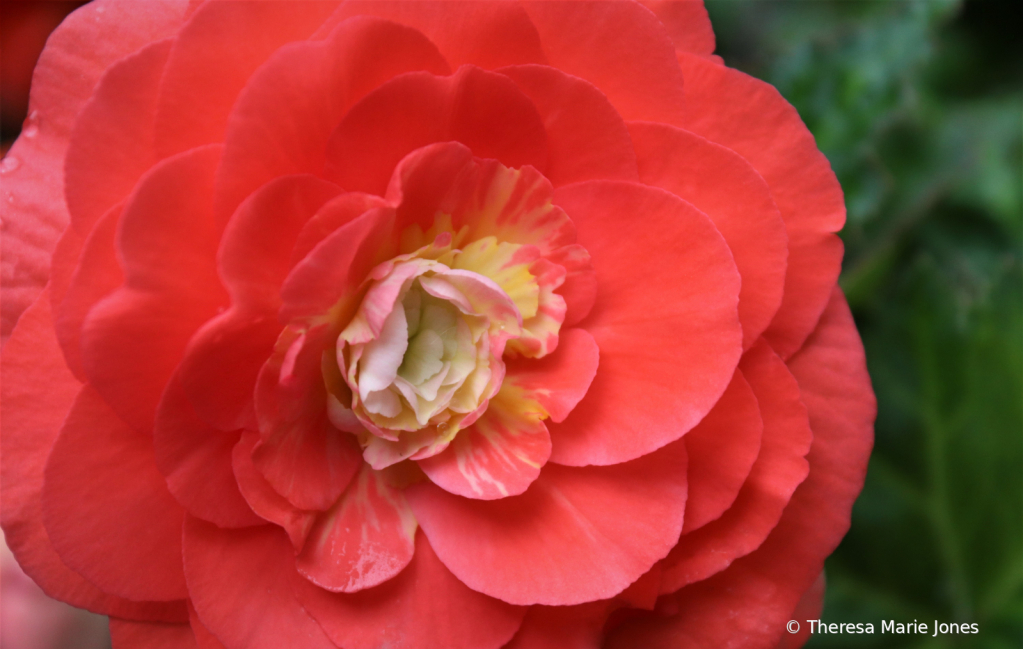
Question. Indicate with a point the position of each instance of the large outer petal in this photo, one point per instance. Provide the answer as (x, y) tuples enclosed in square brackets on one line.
[(562, 627), (489, 35), (240, 582), (96, 274), (34, 211), (665, 321), (256, 251), (747, 605), (620, 47), (586, 137), (224, 357), (779, 469), (112, 142), (483, 110), (214, 55), (576, 535), (722, 185), (134, 339), (288, 109), (196, 460), (37, 392), (424, 607), (751, 117), (687, 23), (125, 634), (106, 506), (722, 449), (203, 637)]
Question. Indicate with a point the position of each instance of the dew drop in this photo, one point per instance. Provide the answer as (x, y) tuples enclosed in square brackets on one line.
[(9, 165), (30, 128)]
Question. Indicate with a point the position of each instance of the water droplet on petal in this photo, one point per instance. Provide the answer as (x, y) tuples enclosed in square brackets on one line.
[(9, 165), (30, 128)]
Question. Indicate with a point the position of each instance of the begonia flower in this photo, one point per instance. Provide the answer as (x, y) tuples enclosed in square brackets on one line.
[(423, 324)]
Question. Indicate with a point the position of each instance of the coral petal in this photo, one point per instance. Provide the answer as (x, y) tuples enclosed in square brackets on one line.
[(125, 634), (778, 470), (221, 364), (413, 611), (34, 211), (576, 535), (586, 137), (560, 380), (483, 110), (37, 392), (96, 275), (366, 538), (214, 55), (336, 266), (310, 463), (498, 456), (290, 106), (750, 117), (665, 321), (240, 584), (687, 22), (134, 339), (768, 584), (196, 461), (112, 142), (106, 506), (203, 637), (722, 449), (562, 627), (488, 35), (722, 185), (266, 502), (621, 48), (255, 253), (301, 454)]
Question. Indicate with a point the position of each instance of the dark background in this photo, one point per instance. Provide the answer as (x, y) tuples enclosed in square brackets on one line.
[(918, 104)]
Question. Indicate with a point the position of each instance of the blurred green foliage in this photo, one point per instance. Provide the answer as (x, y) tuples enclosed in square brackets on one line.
[(919, 107)]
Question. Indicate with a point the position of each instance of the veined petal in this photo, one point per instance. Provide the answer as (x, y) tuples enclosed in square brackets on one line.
[(413, 610), (480, 198), (366, 538), (576, 535), (498, 456), (539, 335)]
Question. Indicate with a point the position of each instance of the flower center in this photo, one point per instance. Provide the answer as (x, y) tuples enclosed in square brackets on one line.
[(423, 355)]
